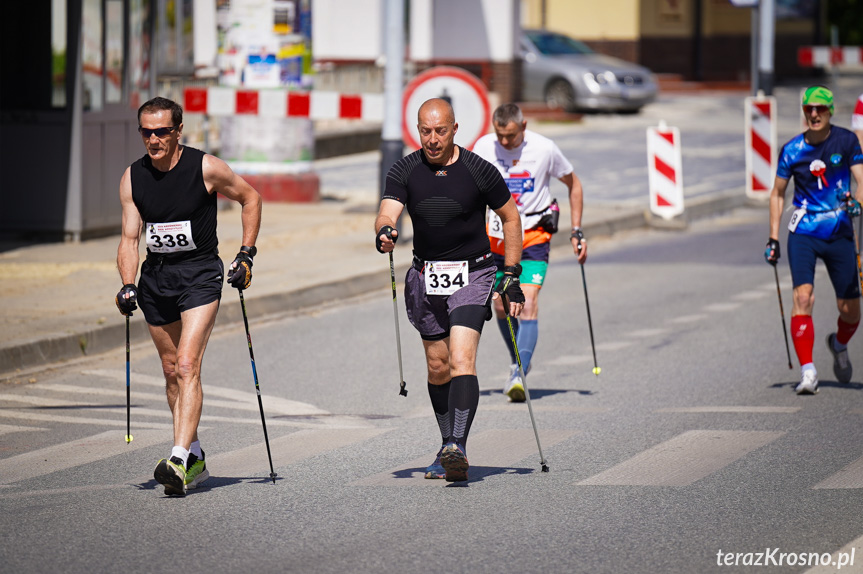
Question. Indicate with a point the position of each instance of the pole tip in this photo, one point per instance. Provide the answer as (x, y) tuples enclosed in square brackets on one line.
[(545, 468), (273, 477), (129, 438), (597, 370)]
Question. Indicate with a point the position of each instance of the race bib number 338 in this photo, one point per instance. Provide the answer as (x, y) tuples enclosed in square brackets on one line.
[(445, 277), (170, 237)]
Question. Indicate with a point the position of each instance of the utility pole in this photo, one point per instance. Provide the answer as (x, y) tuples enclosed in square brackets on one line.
[(767, 27), (394, 49)]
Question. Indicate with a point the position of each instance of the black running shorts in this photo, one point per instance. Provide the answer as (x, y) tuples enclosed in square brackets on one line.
[(433, 315), (166, 290)]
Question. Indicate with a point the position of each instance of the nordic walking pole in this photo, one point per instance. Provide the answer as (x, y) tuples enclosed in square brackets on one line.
[(782, 312), (257, 388), (596, 369), (402, 390), (524, 382), (128, 389)]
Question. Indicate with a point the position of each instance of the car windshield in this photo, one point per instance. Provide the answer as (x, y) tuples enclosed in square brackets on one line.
[(552, 44)]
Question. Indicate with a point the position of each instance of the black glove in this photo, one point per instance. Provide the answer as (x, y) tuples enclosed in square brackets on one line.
[(771, 252), (509, 287), (127, 305), (577, 233), (388, 231), (240, 271)]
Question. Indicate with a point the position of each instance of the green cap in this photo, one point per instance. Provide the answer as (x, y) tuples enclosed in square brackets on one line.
[(818, 96)]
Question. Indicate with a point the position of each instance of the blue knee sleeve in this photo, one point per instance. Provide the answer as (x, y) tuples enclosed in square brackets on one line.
[(528, 331)]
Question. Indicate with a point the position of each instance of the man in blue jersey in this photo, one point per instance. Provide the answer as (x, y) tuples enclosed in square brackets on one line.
[(822, 161)]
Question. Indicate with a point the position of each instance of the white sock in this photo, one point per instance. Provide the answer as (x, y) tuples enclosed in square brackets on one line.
[(182, 453), (808, 367), (196, 448)]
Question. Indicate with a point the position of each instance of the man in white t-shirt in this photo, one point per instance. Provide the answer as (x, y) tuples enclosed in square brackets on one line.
[(527, 162), (857, 119)]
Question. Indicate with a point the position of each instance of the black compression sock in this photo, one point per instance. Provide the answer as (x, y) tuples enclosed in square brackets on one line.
[(439, 395), (463, 400)]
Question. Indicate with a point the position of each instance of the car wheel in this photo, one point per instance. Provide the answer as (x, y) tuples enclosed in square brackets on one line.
[(559, 94)]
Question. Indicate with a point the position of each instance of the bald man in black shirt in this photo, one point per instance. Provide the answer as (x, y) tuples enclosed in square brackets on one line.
[(448, 289)]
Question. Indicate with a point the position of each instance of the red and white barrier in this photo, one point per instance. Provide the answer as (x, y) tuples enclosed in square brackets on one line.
[(665, 173), (760, 126), (820, 56), (284, 104)]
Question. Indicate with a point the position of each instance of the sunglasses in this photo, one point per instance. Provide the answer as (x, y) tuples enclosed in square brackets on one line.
[(160, 132), (818, 109)]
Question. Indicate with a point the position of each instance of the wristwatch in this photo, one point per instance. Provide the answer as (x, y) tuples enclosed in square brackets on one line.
[(252, 251)]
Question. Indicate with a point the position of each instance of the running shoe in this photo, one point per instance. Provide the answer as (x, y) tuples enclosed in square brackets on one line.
[(515, 387), (841, 362), (197, 472), (454, 461), (172, 474), (435, 470), (808, 383)]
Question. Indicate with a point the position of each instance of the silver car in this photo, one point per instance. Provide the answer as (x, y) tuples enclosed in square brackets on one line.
[(565, 73)]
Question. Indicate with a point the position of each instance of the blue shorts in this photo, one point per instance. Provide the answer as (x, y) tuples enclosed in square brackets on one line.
[(838, 256)]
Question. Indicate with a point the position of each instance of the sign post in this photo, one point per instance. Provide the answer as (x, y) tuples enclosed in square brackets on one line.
[(463, 90)]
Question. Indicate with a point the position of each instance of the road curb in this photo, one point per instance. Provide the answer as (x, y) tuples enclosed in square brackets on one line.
[(41, 352)]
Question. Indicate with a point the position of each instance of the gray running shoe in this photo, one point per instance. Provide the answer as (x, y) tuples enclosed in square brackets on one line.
[(435, 470), (808, 383), (841, 363)]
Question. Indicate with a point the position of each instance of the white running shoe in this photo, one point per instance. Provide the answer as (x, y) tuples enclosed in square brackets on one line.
[(808, 383), (513, 371), (515, 388), (841, 363)]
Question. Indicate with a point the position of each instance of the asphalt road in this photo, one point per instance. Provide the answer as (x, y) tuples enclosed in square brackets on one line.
[(691, 442)]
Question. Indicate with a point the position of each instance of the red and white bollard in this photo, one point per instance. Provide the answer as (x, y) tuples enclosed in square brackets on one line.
[(760, 128), (665, 171)]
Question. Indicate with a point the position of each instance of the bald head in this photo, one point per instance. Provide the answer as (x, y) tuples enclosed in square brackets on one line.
[(437, 129), (439, 107)]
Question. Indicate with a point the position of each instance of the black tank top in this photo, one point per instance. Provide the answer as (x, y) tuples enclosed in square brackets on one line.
[(166, 200)]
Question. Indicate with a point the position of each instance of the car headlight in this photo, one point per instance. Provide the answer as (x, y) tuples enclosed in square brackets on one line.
[(596, 80)]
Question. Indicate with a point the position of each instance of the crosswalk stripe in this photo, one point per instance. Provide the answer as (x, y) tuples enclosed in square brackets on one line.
[(103, 422), (722, 307), (249, 403), (272, 404), (138, 411), (684, 459), (849, 477), (287, 449), (688, 318), (496, 450), (567, 360), (729, 409), (544, 408), (5, 429), (78, 452)]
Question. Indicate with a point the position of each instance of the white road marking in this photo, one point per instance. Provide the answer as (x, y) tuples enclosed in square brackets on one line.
[(686, 458), (729, 409)]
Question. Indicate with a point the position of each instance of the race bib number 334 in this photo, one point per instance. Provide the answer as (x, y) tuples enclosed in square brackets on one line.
[(445, 277), (170, 237)]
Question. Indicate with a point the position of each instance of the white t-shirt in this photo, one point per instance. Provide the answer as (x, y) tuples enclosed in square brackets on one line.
[(857, 116), (527, 170)]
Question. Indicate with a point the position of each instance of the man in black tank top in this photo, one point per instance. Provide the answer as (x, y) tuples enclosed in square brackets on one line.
[(448, 290), (169, 195)]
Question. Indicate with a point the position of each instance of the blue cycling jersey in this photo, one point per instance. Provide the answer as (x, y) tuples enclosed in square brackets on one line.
[(822, 176)]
